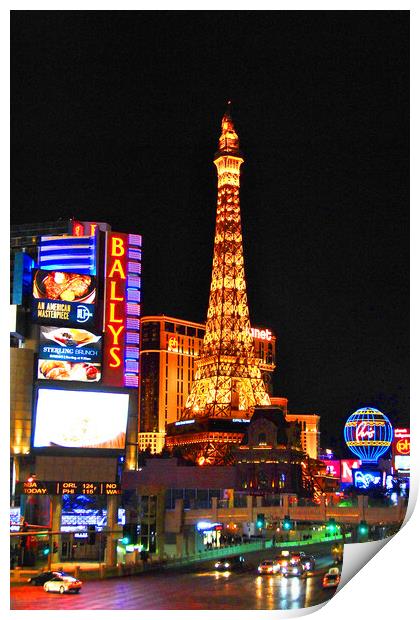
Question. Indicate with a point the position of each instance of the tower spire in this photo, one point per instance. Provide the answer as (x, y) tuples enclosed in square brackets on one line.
[(228, 141)]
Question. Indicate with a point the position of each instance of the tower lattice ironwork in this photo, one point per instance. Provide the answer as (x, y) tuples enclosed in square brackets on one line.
[(228, 382)]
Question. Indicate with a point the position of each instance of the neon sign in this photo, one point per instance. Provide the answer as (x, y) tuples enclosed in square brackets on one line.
[(75, 254), (347, 466), (122, 310), (332, 468), (368, 433), (364, 479), (173, 344), (261, 334), (401, 443)]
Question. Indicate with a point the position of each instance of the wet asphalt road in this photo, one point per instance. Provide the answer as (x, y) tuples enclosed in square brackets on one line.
[(202, 588)]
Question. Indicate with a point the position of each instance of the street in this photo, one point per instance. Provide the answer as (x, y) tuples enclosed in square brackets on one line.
[(201, 588)]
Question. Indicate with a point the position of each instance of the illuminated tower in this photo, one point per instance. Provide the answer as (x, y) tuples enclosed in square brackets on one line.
[(228, 383)]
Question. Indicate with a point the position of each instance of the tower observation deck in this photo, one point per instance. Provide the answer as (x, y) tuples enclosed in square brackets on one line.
[(227, 383)]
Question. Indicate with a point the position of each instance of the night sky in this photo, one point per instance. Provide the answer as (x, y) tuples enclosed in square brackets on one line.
[(115, 117)]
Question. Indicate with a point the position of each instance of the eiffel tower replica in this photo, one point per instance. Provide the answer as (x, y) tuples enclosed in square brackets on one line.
[(227, 384)]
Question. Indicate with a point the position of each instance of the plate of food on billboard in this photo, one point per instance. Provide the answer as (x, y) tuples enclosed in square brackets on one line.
[(63, 298), (69, 354)]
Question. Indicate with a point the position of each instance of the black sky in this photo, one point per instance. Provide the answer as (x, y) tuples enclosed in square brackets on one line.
[(116, 116)]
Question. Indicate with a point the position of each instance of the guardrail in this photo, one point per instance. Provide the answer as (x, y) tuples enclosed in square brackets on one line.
[(101, 571)]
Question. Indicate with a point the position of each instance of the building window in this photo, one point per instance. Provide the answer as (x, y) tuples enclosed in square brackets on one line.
[(169, 327), (150, 335)]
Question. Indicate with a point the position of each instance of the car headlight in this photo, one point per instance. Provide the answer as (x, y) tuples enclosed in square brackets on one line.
[(227, 564), (295, 570)]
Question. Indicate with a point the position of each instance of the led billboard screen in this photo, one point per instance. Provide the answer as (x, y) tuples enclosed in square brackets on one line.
[(332, 468), (61, 298), (367, 479), (69, 354), (402, 463), (80, 419), (347, 466)]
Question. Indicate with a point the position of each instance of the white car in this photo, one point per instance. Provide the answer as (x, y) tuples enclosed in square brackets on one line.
[(62, 584)]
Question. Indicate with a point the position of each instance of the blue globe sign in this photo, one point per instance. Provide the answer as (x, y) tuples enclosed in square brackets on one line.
[(368, 434)]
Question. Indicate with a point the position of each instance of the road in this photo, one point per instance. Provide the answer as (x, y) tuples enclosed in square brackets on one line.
[(201, 588)]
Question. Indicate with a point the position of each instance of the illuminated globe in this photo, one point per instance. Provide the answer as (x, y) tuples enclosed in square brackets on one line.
[(368, 433)]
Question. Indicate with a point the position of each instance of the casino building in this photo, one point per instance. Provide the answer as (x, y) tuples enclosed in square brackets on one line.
[(75, 338), (169, 349)]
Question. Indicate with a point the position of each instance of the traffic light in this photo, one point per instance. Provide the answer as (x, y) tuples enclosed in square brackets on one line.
[(260, 521), (331, 526), (287, 523), (363, 528), (91, 534), (129, 534)]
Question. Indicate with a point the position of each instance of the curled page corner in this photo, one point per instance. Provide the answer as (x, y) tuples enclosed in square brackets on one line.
[(357, 555)]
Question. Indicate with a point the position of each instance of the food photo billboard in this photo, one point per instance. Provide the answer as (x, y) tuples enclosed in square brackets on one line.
[(69, 354), (63, 298)]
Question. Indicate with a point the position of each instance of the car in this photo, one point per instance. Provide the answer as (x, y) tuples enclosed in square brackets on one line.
[(308, 561), (41, 578), (331, 579), (233, 563), (283, 560), (296, 556), (62, 584), (293, 569), (269, 567)]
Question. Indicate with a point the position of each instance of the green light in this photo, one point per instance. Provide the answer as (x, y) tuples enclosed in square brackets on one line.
[(331, 526), (46, 551), (363, 528), (125, 541)]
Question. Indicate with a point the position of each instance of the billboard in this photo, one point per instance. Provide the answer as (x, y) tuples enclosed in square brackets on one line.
[(367, 479), (122, 310), (401, 442), (402, 463), (62, 298), (333, 467), (80, 419), (69, 354), (347, 466)]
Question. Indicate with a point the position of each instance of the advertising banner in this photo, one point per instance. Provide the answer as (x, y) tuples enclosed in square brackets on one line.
[(333, 467), (401, 442), (367, 479), (80, 419), (347, 466), (69, 354), (61, 298), (402, 463)]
